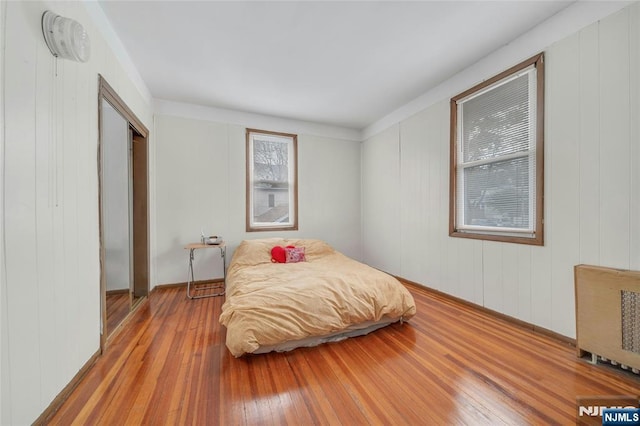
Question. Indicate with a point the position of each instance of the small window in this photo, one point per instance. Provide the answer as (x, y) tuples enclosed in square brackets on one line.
[(272, 196), (496, 169)]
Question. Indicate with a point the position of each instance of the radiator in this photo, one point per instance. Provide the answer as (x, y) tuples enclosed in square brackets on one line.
[(608, 315)]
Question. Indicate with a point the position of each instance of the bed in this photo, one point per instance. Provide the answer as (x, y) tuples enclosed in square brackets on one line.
[(324, 298)]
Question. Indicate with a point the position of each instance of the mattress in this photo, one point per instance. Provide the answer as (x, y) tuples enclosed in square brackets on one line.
[(327, 297)]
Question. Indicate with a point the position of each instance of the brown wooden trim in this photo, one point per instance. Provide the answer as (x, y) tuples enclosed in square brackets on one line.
[(170, 285), (103, 281), (119, 291), (294, 225), (60, 399), (538, 238), (184, 284), (499, 238), (515, 321), (540, 151), (140, 207), (106, 91), (247, 181), (453, 160), (522, 65), (140, 176), (273, 229), (579, 352)]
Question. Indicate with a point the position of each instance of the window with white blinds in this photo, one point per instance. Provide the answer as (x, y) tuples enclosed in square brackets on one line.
[(496, 157)]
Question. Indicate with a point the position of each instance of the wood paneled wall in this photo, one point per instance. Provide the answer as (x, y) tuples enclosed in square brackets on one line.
[(592, 175), (201, 184), (51, 282)]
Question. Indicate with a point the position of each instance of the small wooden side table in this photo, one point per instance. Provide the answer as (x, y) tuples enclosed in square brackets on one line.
[(190, 279)]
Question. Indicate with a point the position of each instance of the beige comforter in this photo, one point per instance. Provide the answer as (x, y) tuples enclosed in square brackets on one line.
[(270, 303)]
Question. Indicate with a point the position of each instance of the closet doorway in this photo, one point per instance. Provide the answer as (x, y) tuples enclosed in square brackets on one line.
[(124, 243)]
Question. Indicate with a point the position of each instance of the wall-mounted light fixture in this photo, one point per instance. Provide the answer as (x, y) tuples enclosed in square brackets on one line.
[(65, 37)]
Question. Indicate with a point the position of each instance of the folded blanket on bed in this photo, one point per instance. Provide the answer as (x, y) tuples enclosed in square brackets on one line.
[(269, 303)]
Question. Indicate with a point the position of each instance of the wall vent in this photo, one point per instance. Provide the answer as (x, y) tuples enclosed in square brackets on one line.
[(630, 321)]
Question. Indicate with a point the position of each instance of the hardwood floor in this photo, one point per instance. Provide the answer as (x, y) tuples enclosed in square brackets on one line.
[(118, 307), (448, 365)]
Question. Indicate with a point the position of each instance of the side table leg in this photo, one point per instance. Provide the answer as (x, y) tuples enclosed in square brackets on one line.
[(223, 254), (190, 277)]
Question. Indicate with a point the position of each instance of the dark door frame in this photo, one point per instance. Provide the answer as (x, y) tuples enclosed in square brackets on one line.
[(140, 201)]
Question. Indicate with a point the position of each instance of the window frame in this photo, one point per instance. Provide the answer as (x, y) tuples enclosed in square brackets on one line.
[(292, 225), (537, 237)]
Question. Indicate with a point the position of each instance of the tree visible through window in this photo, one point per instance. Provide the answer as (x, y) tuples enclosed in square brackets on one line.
[(497, 157), (271, 181)]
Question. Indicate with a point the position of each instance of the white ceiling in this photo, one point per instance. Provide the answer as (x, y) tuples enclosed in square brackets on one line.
[(344, 64)]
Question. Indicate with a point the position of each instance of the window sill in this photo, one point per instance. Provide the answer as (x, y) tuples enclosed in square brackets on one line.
[(533, 241)]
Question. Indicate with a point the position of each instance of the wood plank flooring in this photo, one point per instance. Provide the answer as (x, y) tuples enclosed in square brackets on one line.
[(118, 307), (448, 365)]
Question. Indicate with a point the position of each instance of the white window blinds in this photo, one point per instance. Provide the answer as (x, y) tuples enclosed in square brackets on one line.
[(496, 158)]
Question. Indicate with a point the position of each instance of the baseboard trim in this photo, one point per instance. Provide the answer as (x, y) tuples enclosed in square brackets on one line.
[(60, 399), (515, 321), (120, 291), (184, 284)]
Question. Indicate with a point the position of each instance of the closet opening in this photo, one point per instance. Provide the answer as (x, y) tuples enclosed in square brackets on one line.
[(124, 217)]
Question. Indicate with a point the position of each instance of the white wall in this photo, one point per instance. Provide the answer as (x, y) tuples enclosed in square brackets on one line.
[(4, 331), (200, 184), (380, 200), (50, 290), (592, 184)]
